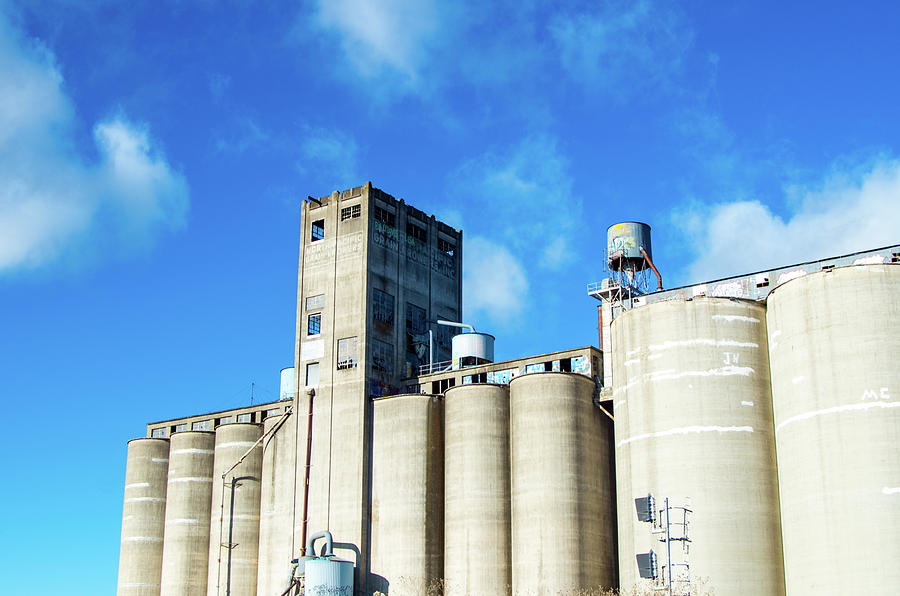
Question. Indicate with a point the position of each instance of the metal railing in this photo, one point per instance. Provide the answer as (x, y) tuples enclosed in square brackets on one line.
[(434, 367)]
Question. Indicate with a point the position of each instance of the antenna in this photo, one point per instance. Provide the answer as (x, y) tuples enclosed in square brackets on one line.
[(252, 386)]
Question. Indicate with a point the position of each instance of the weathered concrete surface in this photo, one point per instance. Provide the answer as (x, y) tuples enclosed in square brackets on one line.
[(276, 513), (694, 423), (407, 494), (143, 513), (234, 524), (476, 491), (834, 339), (563, 536), (189, 495)]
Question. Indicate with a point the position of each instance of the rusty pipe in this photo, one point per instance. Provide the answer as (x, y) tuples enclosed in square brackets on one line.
[(652, 266)]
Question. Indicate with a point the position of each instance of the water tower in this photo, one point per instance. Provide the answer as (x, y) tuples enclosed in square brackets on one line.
[(629, 257)]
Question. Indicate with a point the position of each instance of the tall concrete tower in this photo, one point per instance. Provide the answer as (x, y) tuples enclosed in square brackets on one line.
[(374, 274)]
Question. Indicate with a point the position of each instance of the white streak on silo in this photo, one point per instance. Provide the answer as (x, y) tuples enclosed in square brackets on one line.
[(192, 450), (735, 319), (670, 344), (146, 500), (888, 490), (746, 403), (160, 460), (686, 430), (137, 485), (836, 409), (191, 479)]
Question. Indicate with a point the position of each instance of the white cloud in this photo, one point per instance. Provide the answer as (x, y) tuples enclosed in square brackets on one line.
[(853, 209), (52, 200), (622, 46), (386, 35), (494, 283), (527, 198)]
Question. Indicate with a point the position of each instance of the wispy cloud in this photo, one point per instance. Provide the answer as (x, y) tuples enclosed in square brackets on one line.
[(853, 208), (387, 37), (53, 199), (523, 198), (624, 47), (495, 284)]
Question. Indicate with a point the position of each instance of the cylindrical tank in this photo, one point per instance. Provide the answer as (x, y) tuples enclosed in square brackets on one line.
[(407, 494), (234, 525), (694, 424), (623, 245), (143, 517), (288, 388), (276, 504), (834, 339), (476, 490), (471, 348), (563, 536), (326, 576), (186, 544)]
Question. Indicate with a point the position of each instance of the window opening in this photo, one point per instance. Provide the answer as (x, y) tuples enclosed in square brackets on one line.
[(382, 356), (201, 425), (318, 230), (245, 417), (446, 247), (351, 212), (314, 324), (158, 433), (386, 217), (224, 420), (314, 302), (347, 353), (312, 374), (383, 308), (417, 232), (180, 427)]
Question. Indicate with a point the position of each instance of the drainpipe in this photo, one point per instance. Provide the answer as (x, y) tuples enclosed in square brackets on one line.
[(309, 419), (452, 324), (327, 551)]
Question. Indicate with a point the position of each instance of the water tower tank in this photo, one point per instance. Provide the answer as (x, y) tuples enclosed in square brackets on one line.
[(623, 246), (288, 391), (469, 349)]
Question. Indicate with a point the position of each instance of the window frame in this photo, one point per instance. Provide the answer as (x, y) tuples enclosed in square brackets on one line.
[(317, 230), (317, 317)]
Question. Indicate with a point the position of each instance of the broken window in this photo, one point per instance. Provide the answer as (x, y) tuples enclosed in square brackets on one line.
[(386, 217), (417, 232), (158, 433), (347, 353), (415, 326), (318, 230), (446, 247), (383, 308), (382, 357), (201, 425), (351, 212), (314, 324)]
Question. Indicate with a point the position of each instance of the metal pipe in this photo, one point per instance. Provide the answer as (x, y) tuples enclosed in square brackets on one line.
[(309, 419), (668, 543), (328, 551), (652, 266), (430, 348), (454, 324)]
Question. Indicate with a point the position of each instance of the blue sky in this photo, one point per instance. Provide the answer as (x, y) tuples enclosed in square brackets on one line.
[(153, 156)]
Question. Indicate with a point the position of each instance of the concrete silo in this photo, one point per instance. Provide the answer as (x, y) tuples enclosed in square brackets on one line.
[(234, 525), (834, 339), (276, 515), (693, 422), (186, 543), (143, 513), (407, 494), (563, 536), (476, 491)]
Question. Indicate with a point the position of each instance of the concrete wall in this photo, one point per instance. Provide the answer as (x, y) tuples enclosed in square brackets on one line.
[(186, 545), (694, 423), (476, 491), (834, 339), (407, 495), (563, 529), (143, 517)]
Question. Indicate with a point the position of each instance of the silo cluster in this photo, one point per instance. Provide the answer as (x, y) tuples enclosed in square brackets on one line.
[(493, 489), (191, 516), (775, 425)]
